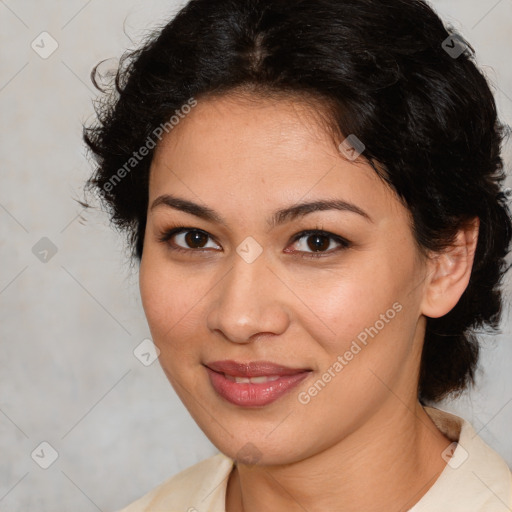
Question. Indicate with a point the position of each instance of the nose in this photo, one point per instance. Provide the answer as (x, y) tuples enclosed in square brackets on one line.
[(247, 303)]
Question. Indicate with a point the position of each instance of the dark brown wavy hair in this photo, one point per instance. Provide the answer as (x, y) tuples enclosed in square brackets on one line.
[(385, 73)]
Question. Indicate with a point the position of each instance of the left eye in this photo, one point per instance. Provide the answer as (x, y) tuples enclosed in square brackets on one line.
[(318, 241)]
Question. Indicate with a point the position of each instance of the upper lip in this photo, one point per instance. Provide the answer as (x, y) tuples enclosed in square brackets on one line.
[(252, 368)]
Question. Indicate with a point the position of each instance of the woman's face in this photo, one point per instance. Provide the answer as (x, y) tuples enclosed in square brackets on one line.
[(243, 284)]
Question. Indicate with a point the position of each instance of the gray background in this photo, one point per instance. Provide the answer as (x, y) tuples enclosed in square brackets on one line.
[(69, 326)]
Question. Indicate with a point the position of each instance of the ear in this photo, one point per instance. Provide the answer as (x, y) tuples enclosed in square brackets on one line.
[(449, 272)]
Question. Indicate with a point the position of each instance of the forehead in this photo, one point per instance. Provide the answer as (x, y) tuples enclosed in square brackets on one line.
[(261, 149), (246, 121)]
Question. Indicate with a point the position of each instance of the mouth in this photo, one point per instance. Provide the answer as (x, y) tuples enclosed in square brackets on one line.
[(255, 383)]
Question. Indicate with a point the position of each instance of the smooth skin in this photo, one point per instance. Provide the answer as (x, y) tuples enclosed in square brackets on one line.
[(363, 442)]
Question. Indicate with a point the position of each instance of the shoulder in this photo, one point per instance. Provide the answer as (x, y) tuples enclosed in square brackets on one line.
[(198, 487)]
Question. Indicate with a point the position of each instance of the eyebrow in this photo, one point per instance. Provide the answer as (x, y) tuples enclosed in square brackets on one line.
[(279, 216)]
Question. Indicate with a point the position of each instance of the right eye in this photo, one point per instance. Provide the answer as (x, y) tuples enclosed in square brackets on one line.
[(194, 238)]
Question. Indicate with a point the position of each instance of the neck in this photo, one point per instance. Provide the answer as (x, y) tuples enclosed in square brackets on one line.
[(388, 464)]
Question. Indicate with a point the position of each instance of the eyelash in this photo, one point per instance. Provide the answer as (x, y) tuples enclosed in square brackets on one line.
[(166, 235)]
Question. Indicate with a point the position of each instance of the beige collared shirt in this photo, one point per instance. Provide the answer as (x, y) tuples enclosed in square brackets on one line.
[(475, 479)]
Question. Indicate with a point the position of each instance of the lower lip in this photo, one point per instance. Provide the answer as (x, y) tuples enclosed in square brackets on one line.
[(253, 395)]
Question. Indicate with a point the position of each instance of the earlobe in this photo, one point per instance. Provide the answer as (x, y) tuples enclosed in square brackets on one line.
[(449, 272)]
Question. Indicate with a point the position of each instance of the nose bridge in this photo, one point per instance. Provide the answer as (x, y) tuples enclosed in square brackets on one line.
[(247, 301)]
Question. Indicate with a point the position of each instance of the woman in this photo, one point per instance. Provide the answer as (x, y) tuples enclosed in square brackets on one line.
[(312, 191)]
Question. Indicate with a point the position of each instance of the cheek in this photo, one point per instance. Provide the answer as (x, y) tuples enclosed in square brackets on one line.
[(174, 304), (375, 320), (342, 304)]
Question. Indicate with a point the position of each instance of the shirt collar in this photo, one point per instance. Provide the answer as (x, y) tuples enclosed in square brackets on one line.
[(475, 477)]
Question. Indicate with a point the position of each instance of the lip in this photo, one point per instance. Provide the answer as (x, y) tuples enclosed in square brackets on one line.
[(253, 368), (253, 394)]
